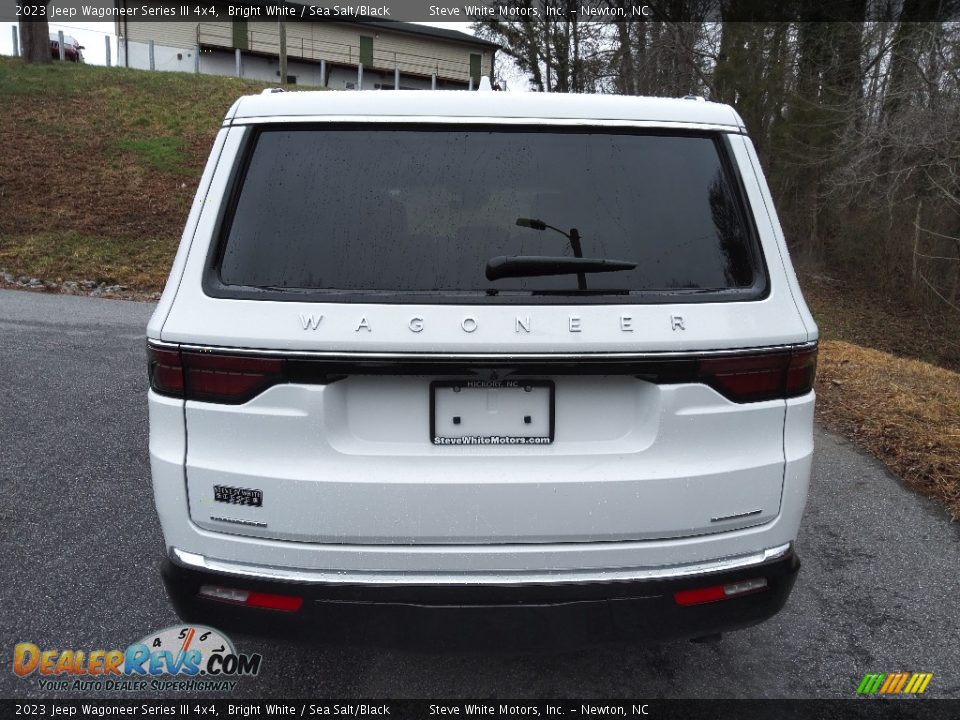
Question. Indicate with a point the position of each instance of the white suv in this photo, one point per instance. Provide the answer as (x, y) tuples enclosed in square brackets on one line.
[(445, 348)]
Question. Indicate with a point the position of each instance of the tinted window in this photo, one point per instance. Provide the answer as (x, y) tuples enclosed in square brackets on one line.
[(424, 210)]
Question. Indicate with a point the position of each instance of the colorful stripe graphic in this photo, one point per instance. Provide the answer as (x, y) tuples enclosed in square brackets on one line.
[(900, 683)]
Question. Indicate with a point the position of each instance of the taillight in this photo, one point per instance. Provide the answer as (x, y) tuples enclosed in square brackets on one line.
[(228, 378), (767, 376), (801, 372), (234, 379), (211, 377), (166, 371)]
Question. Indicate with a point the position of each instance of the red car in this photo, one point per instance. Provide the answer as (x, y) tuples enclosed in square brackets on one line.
[(71, 48)]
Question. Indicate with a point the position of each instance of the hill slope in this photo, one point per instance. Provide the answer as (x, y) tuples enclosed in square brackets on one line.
[(100, 165)]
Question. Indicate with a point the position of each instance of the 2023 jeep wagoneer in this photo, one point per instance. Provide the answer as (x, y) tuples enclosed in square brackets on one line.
[(485, 349)]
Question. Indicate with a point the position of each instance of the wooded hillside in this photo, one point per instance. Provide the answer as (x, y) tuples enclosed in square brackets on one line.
[(854, 107)]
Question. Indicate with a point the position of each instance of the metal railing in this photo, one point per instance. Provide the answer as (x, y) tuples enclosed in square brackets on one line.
[(343, 53)]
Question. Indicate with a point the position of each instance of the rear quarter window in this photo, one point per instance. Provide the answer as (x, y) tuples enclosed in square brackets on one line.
[(414, 214)]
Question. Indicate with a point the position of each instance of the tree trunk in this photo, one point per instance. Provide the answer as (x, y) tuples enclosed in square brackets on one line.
[(908, 44), (626, 81), (35, 40)]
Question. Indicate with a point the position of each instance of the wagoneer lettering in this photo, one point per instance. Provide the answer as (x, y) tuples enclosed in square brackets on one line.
[(507, 351), (522, 324), (310, 322)]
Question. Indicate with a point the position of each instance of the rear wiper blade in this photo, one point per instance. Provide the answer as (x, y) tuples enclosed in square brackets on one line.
[(504, 266)]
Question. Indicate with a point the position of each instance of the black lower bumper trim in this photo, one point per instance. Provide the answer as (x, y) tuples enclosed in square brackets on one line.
[(474, 616)]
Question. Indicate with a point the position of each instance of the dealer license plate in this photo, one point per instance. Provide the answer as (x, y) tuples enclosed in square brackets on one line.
[(492, 412)]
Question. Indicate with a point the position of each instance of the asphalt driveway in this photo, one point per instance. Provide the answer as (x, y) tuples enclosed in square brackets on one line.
[(878, 591)]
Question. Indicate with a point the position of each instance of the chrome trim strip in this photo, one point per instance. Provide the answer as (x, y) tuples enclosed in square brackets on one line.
[(484, 120), (236, 521), (561, 356), (737, 516), (395, 578)]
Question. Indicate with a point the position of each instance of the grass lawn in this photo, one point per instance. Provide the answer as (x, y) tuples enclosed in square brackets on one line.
[(59, 257), (100, 166)]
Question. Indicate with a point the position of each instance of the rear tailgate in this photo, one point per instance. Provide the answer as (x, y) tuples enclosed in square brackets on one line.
[(352, 457), (354, 462)]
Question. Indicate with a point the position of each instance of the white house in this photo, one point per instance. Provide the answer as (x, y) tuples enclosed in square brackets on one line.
[(340, 55)]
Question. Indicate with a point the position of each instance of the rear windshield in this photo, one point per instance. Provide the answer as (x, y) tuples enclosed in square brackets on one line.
[(420, 213)]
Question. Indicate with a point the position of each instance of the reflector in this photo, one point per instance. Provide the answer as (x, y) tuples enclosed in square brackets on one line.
[(712, 593), (288, 603), (266, 601), (700, 595)]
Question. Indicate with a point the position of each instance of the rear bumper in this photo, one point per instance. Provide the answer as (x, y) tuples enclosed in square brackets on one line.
[(472, 614)]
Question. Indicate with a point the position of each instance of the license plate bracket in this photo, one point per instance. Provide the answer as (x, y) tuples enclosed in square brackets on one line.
[(492, 412)]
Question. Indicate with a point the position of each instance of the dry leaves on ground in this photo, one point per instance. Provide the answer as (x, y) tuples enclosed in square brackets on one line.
[(906, 412)]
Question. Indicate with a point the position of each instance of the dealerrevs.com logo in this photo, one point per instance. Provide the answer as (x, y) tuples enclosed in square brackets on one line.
[(177, 658), (898, 683)]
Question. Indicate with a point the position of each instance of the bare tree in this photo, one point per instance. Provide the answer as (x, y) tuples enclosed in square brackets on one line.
[(558, 55), (854, 108)]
